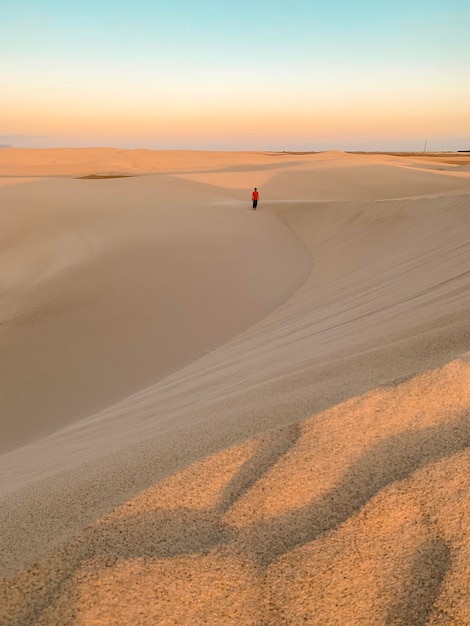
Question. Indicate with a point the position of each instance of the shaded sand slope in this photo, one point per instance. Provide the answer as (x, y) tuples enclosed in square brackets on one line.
[(107, 286), (359, 515), (248, 514)]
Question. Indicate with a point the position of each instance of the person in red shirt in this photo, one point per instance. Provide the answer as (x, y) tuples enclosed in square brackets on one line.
[(255, 198)]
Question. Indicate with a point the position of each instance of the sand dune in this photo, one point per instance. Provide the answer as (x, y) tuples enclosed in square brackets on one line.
[(106, 289), (252, 418)]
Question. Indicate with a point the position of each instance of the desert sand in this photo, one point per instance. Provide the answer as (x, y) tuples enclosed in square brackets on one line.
[(213, 415)]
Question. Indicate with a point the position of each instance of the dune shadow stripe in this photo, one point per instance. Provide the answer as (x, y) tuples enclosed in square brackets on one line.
[(165, 533), (387, 462), (431, 563), (104, 176), (273, 446), (158, 534)]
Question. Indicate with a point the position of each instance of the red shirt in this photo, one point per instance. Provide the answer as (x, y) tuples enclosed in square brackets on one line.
[(255, 195)]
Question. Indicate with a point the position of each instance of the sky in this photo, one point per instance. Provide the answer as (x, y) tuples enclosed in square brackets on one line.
[(236, 74)]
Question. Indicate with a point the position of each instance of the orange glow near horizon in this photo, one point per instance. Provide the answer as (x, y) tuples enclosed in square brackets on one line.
[(303, 122), (336, 115)]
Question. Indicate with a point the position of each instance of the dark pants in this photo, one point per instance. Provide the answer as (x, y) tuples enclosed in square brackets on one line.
[(255, 204)]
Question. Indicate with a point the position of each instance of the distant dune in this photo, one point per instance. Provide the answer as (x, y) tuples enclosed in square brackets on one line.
[(213, 415)]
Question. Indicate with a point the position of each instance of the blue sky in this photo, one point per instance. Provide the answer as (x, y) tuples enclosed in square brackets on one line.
[(236, 74)]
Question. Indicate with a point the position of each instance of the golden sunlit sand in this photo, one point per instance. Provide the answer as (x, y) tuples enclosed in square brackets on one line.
[(212, 415)]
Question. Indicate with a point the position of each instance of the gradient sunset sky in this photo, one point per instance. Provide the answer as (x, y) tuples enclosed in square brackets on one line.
[(236, 74)]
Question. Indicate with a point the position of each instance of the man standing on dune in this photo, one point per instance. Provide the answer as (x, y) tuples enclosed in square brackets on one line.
[(255, 198)]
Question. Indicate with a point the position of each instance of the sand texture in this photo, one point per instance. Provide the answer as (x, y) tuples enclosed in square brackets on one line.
[(212, 415)]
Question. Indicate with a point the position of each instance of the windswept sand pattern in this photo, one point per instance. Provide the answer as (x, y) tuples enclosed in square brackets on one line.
[(306, 459), (358, 515)]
